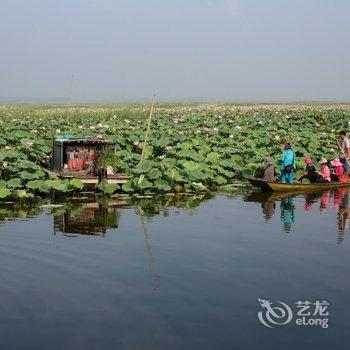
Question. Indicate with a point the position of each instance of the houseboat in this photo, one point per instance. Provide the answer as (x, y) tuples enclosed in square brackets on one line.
[(83, 159)]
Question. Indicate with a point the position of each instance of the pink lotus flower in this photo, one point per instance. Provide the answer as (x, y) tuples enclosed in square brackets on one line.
[(30, 144), (137, 143), (161, 157)]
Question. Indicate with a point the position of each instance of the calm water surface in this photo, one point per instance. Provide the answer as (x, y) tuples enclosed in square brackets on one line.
[(180, 273)]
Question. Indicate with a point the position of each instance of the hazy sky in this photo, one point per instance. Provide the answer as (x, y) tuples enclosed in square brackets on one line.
[(121, 50)]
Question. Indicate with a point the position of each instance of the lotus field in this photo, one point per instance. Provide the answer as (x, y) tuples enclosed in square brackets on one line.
[(190, 148)]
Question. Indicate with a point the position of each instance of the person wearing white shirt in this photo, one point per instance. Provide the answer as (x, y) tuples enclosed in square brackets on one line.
[(344, 145)]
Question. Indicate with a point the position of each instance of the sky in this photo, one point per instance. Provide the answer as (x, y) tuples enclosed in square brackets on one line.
[(180, 50)]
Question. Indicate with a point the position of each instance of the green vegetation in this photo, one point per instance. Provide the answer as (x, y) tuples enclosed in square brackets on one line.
[(190, 149)]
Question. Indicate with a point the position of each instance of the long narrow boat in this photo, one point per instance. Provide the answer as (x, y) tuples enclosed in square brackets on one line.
[(284, 187)]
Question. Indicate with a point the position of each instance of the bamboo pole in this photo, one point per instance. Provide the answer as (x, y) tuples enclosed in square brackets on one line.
[(147, 130), (70, 92)]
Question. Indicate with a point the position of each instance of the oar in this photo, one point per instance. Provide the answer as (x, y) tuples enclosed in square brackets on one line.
[(147, 130)]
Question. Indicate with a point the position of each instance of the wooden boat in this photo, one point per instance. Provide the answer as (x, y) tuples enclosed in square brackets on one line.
[(284, 187), (88, 167)]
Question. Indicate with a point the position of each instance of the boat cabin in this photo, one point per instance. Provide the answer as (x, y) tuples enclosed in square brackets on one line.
[(82, 158), (76, 154)]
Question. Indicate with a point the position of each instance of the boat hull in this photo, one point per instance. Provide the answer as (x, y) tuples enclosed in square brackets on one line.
[(284, 187)]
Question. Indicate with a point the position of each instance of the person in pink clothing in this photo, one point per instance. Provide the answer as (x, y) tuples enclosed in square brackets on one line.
[(324, 172), (337, 169)]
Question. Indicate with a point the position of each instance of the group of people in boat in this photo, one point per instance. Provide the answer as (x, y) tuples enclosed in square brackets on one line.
[(337, 169)]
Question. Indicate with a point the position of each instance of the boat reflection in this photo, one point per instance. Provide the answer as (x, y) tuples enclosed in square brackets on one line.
[(87, 218), (337, 200)]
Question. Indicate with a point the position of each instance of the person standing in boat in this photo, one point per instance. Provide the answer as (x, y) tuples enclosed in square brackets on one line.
[(344, 146), (288, 166)]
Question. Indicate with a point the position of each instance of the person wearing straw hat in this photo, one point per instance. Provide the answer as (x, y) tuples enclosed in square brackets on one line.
[(337, 170), (324, 173)]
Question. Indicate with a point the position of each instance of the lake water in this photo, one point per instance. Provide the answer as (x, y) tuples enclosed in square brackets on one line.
[(176, 273)]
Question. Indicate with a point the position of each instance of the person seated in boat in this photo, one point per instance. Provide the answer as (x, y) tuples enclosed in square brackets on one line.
[(288, 166), (337, 170), (309, 173), (269, 170), (324, 173)]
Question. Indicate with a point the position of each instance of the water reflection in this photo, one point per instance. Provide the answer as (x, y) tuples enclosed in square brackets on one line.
[(95, 216), (150, 207), (90, 218), (337, 200), (287, 213), (14, 210), (150, 253)]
